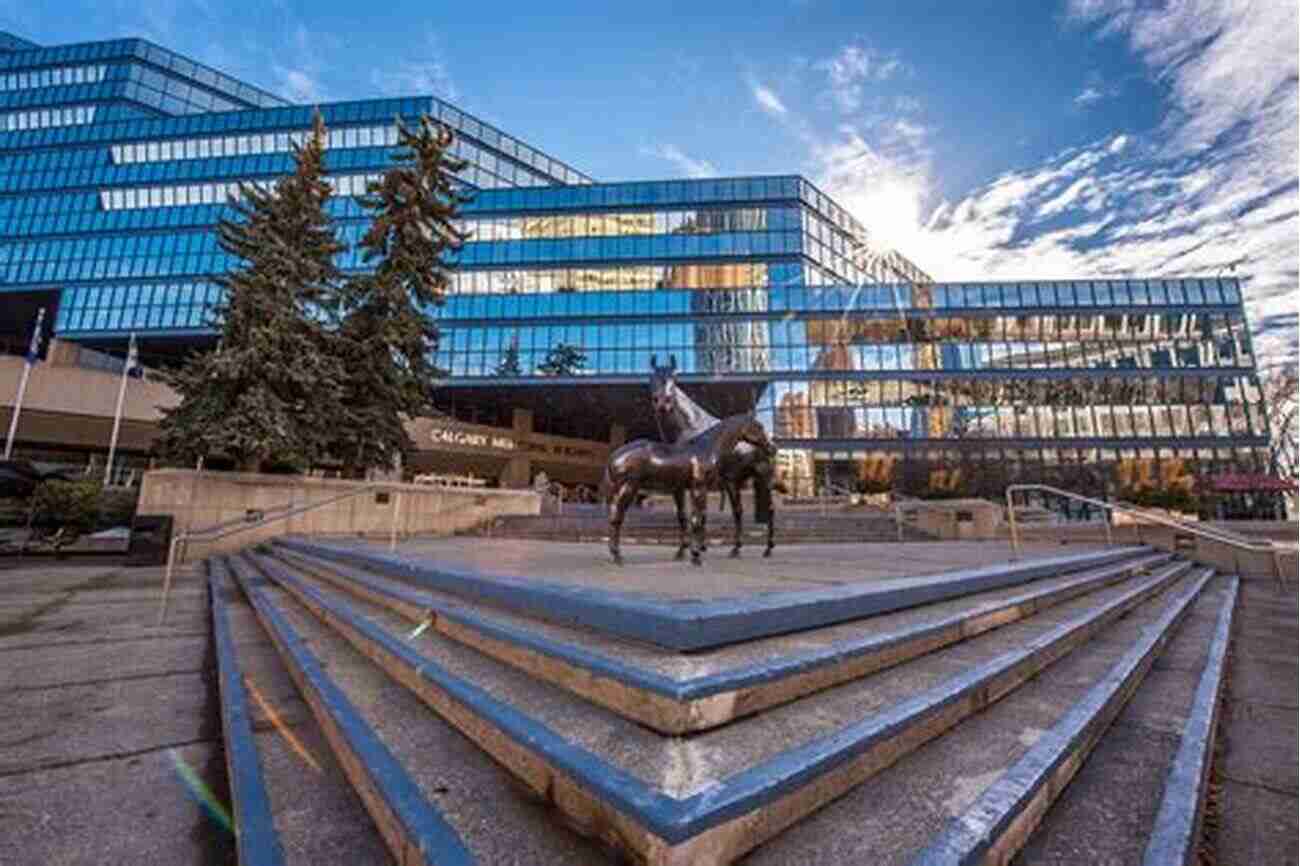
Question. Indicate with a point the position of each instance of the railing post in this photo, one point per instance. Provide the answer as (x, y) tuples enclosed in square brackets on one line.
[(1011, 522), (1106, 515), (167, 579)]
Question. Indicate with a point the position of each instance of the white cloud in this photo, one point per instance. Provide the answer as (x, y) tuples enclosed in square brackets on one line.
[(1163, 204), (297, 85), (299, 70), (852, 67), (769, 101), (688, 166), (1088, 96), (423, 76)]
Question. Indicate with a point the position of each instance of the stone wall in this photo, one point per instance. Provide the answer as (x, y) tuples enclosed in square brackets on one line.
[(198, 500)]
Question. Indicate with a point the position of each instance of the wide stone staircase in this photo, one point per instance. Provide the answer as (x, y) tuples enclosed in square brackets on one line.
[(383, 709), (658, 525)]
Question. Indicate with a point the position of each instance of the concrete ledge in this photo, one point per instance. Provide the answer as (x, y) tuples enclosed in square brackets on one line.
[(676, 706), (720, 824), (696, 625), (412, 828), (1176, 834), (256, 840), (198, 500), (996, 826)]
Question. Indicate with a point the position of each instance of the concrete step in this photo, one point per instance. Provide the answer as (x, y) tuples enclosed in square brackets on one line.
[(660, 527), (1139, 796), (906, 812), (713, 796), (279, 761), (676, 693), (410, 770), (693, 620)]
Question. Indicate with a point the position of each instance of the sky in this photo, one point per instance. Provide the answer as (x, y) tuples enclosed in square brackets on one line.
[(1022, 139)]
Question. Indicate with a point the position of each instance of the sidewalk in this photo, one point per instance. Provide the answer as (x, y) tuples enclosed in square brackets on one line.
[(1258, 766)]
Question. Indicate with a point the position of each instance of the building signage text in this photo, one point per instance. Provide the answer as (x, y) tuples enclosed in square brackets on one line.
[(450, 436)]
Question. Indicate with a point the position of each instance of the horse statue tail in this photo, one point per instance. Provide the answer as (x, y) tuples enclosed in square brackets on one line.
[(606, 488)]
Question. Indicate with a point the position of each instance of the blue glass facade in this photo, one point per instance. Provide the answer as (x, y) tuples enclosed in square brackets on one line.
[(117, 158)]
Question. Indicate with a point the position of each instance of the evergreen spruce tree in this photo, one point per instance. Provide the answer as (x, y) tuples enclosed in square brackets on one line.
[(509, 363), (270, 392), (386, 336), (563, 360)]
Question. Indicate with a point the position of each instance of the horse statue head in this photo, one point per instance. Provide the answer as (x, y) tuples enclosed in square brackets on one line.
[(663, 385)]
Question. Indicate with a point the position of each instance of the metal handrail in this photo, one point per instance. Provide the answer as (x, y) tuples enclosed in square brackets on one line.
[(1191, 528), (226, 529)]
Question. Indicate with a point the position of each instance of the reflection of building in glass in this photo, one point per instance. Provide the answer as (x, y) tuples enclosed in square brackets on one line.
[(771, 296)]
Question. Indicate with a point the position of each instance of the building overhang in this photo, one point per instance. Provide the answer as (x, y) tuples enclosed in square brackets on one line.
[(622, 400)]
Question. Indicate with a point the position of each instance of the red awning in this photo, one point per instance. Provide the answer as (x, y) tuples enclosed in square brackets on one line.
[(1246, 482)]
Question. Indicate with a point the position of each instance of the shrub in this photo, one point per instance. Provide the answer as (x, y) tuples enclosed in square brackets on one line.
[(116, 507), (72, 506)]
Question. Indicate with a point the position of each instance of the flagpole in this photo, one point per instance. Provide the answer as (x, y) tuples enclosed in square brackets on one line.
[(32, 351), (117, 414), (18, 407)]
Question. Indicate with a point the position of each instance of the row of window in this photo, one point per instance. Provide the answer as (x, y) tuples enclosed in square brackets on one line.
[(629, 223), (215, 193), (138, 318), (45, 117), (597, 279), (642, 247), (716, 351), (812, 472), (1181, 346), (55, 77), (638, 194), (85, 215), (789, 293), (181, 195), (336, 139), (176, 265), (1031, 422), (232, 168), (139, 294), (380, 111), (138, 49), (1189, 388), (242, 145)]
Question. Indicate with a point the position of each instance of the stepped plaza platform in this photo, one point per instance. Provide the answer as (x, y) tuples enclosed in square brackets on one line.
[(473, 700), (659, 600), (650, 569)]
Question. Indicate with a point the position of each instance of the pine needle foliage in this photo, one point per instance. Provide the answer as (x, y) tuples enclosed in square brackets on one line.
[(509, 365), (271, 390), (387, 336), (563, 359)]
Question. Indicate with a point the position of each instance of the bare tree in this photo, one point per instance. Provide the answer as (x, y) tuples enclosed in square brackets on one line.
[(1278, 387)]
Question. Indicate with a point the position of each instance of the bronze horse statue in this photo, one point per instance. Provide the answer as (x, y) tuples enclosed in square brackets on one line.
[(681, 420), (692, 467)]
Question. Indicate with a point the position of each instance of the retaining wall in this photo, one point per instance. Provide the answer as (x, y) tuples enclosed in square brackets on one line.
[(197, 500)]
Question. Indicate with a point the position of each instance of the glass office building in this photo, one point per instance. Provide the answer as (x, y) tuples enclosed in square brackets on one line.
[(117, 158)]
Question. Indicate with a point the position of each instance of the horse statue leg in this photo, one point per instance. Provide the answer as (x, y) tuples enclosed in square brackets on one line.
[(683, 542), (737, 512), (699, 511), (618, 505), (763, 506)]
